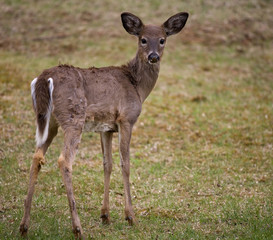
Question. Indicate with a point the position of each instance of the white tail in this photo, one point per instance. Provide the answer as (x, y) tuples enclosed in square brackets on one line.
[(41, 137)]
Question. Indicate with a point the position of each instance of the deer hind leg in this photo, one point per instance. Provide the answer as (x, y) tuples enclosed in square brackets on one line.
[(65, 161), (106, 145), (37, 162), (125, 130)]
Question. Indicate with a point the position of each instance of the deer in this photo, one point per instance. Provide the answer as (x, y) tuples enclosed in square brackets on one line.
[(103, 100)]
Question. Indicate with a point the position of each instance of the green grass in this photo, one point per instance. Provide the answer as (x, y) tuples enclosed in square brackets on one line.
[(201, 152)]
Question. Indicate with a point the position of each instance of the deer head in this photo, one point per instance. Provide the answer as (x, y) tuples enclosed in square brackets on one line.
[(152, 39)]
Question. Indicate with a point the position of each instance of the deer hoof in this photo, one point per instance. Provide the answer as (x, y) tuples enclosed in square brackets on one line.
[(131, 220), (105, 218), (23, 230), (78, 233)]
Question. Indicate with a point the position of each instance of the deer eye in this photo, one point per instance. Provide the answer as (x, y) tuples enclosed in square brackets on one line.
[(143, 41), (162, 41)]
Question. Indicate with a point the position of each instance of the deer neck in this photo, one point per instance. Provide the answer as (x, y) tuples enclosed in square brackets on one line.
[(145, 76)]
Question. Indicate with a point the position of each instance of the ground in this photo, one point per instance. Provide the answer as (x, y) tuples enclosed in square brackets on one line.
[(201, 152)]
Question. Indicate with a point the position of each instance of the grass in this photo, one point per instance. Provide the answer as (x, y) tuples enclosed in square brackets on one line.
[(201, 152)]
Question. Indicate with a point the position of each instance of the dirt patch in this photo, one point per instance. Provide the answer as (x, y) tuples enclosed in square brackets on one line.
[(232, 31)]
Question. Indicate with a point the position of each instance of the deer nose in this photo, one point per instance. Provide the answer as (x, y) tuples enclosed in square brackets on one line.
[(153, 58)]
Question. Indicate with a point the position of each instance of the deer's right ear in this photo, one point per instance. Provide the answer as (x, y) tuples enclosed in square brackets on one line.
[(131, 23)]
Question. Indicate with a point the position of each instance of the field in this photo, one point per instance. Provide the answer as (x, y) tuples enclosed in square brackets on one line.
[(202, 149)]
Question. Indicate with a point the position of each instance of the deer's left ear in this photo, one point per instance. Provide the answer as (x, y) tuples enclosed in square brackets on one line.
[(175, 23)]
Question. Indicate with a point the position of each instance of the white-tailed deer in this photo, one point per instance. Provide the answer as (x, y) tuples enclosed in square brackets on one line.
[(103, 100)]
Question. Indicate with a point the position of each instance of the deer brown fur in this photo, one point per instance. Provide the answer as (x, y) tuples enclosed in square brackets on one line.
[(104, 100)]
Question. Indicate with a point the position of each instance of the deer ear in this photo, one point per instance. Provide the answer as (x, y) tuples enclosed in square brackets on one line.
[(131, 23), (175, 23)]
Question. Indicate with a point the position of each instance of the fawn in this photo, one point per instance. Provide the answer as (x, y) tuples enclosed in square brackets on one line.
[(104, 100)]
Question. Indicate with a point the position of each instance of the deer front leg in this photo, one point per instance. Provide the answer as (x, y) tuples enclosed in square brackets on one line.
[(106, 145), (65, 162), (125, 130)]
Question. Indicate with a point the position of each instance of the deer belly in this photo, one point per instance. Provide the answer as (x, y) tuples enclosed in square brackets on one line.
[(100, 118), (97, 126)]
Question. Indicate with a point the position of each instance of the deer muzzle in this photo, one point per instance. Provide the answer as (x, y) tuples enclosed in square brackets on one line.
[(153, 58)]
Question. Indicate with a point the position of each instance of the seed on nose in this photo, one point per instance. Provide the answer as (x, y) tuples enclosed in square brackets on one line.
[(154, 59)]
